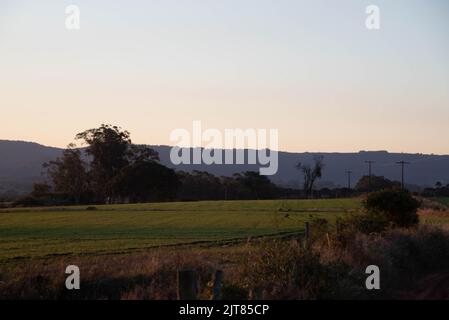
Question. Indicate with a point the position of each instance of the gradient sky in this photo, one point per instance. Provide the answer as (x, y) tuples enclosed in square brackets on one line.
[(308, 68)]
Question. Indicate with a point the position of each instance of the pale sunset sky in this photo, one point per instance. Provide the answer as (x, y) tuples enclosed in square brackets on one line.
[(310, 69)]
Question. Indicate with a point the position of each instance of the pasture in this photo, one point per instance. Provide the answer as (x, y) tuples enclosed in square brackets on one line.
[(109, 229), (444, 201)]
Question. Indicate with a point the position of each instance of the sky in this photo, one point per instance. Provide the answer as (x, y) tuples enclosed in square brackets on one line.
[(310, 69)]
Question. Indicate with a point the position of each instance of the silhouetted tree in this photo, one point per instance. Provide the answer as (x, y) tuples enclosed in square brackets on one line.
[(311, 174), (375, 183), (398, 206), (110, 149), (41, 190), (68, 174), (227, 183), (259, 186), (200, 185), (145, 181)]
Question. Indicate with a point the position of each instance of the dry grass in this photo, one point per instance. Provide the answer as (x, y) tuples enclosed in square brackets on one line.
[(414, 263), (262, 269)]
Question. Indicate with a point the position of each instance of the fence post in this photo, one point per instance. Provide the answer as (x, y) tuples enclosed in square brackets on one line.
[(307, 230), (255, 293), (187, 287), (307, 234), (217, 285)]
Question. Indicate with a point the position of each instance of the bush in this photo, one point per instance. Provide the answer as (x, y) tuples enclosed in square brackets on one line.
[(285, 270), (28, 201), (397, 205), (349, 225), (404, 256)]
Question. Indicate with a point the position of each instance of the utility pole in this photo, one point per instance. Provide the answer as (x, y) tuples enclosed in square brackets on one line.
[(349, 179), (402, 163), (370, 162)]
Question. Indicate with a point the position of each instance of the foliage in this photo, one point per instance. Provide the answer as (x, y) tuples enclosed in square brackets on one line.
[(145, 181), (111, 150), (40, 190), (311, 174), (285, 270), (258, 186), (375, 183), (113, 249), (397, 205), (200, 185), (69, 175)]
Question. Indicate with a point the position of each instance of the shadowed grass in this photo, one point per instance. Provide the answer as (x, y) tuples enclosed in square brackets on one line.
[(41, 232)]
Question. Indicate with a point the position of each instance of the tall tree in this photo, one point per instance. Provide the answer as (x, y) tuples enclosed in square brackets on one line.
[(110, 150), (68, 174), (145, 181), (311, 174), (259, 186)]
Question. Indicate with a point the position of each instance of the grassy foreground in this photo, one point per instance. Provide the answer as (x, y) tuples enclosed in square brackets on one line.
[(109, 244), (444, 201), (46, 232)]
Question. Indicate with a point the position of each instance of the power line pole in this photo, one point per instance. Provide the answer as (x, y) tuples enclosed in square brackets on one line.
[(402, 163), (349, 179), (370, 162)]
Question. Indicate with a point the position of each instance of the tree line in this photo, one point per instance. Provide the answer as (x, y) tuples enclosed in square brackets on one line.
[(111, 169)]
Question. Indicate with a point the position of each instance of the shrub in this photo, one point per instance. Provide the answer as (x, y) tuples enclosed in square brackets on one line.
[(28, 201), (350, 225), (233, 292), (285, 270), (405, 256), (397, 205)]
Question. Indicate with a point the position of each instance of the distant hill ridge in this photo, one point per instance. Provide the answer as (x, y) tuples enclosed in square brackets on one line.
[(21, 165)]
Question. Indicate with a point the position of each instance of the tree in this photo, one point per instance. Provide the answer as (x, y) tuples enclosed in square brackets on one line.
[(200, 185), (69, 174), (145, 181), (397, 205), (111, 150), (226, 182), (375, 183), (259, 186), (311, 174), (41, 190)]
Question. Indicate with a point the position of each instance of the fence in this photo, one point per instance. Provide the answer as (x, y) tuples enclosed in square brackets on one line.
[(187, 280)]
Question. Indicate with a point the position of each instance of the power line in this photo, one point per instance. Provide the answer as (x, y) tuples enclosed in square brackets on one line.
[(370, 162), (349, 179), (402, 163)]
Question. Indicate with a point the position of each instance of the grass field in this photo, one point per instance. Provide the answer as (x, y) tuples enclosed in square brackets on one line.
[(46, 232), (135, 251), (444, 200)]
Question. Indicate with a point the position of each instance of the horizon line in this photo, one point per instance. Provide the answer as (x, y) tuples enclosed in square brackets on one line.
[(279, 151)]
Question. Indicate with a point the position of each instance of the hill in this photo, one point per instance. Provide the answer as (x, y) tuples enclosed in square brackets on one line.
[(21, 165)]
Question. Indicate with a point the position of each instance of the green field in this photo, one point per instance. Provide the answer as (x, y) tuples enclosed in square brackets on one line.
[(444, 200), (46, 232)]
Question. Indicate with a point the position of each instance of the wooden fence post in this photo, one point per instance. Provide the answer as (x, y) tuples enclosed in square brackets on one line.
[(217, 285), (307, 233), (187, 286), (255, 293)]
